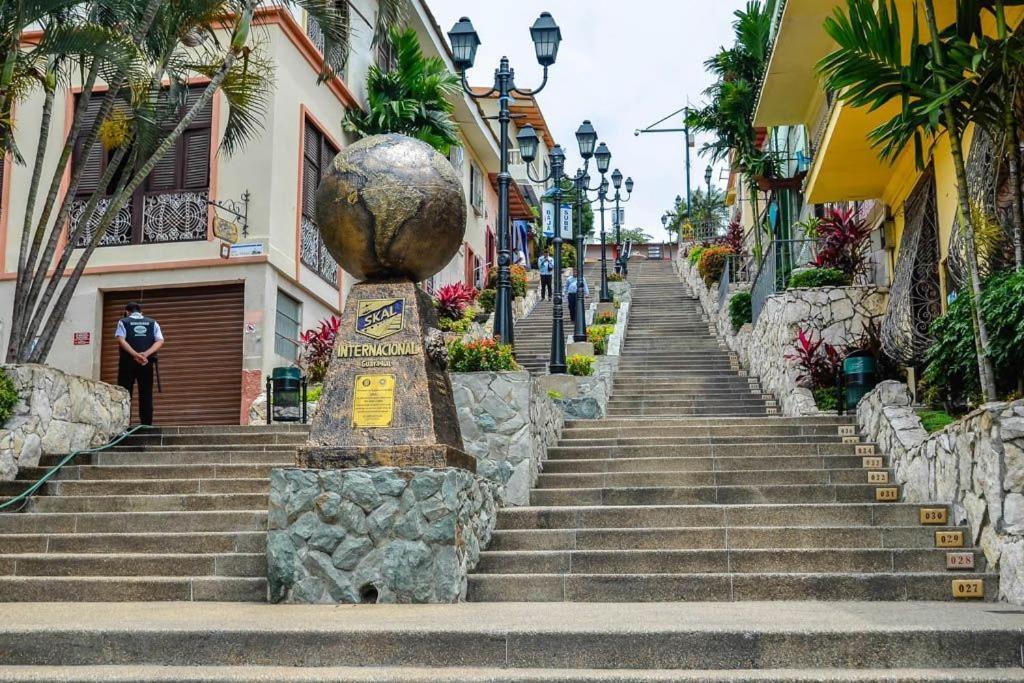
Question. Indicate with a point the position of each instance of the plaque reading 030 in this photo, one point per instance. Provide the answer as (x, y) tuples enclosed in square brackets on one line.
[(373, 401)]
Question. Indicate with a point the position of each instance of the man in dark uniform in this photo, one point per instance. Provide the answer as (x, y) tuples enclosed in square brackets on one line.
[(139, 338)]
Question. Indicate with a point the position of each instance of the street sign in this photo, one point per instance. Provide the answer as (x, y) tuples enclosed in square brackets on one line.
[(566, 222), (549, 220)]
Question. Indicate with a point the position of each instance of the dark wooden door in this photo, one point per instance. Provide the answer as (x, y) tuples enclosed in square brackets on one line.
[(201, 361)]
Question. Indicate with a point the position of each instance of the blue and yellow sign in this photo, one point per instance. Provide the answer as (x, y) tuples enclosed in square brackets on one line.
[(380, 318)]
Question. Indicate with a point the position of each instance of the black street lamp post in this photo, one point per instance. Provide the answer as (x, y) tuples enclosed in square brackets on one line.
[(603, 157), (528, 141), (464, 41), (586, 138), (620, 259)]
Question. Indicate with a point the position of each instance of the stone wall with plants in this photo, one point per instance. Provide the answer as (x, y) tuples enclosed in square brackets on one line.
[(583, 397), (56, 413), (975, 465), (508, 423), (389, 535), (796, 329)]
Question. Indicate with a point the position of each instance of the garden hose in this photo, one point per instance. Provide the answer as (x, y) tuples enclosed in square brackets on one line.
[(24, 495)]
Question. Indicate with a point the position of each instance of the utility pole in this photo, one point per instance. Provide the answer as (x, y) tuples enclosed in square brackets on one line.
[(685, 111)]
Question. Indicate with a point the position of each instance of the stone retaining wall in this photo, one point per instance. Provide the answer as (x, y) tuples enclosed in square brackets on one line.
[(390, 535), (975, 465), (508, 422), (57, 414), (840, 314)]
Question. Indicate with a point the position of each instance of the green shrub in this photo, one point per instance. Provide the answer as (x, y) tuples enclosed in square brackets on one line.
[(568, 255), (481, 355), (580, 366), (616, 277), (486, 300), (517, 274), (606, 318), (819, 277), (741, 310), (712, 263), (695, 254), (8, 397), (935, 420), (460, 326), (598, 336), (555, 395), (314, 392), (952, 367), (826, 398)]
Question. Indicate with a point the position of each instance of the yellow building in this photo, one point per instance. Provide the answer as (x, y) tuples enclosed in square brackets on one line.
[(917, 212)]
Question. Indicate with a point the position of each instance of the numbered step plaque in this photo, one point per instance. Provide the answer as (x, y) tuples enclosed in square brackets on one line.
[(865, 449), (887, 494), (847, 430), (938, 516), (872, 463), (949, 539), (959, 561), (878, 477), (851, 439), (968, 589)]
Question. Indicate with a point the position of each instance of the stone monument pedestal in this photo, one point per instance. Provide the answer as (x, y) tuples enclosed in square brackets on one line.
[(387, 400)]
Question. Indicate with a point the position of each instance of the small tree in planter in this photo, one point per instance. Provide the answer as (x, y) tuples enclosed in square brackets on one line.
[(598, 336), (316, 346), (712, 263), (820, 365), (580, 366), (841, 243), (454, 304)]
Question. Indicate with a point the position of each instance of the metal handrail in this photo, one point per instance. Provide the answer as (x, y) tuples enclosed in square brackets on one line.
[(723, 283), (68, 458)]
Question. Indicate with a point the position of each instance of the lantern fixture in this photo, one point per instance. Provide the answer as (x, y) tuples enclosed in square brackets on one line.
[(464, 41), (528, 142), (546, 38), (586, 136)]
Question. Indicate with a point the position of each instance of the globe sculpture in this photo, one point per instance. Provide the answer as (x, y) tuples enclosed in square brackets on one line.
[(391, 208)]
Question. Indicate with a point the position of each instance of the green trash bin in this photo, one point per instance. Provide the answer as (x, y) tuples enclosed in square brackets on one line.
[(286, 395), (860, 375)]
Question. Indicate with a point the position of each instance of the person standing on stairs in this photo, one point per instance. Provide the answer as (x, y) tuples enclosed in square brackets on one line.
[(139, 339), (571, 288), (546, 266)]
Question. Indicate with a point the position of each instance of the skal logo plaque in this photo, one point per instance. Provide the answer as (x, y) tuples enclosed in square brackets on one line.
[(380, 318)]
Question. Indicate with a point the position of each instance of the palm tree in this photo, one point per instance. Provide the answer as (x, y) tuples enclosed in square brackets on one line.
[(414, 98), (134, 47), (872, 67), (729, 113)]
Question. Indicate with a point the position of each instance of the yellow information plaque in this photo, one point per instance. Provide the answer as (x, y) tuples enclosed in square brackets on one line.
[(373, 401), (966, 589), (934, 516), (949, 539)]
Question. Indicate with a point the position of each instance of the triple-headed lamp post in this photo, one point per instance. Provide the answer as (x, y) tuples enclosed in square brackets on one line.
[(620, 259), (586, 138), (464, 41), (604, 160), (528, 143)]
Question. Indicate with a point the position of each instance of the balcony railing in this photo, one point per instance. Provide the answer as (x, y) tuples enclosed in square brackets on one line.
[(118, 233), (314, 255), (338, 56), (175, 217)]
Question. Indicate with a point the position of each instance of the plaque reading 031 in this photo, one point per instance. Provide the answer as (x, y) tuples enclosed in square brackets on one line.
[(373, 401)]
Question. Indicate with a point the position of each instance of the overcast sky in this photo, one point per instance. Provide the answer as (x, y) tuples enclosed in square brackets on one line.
[(624, 65)]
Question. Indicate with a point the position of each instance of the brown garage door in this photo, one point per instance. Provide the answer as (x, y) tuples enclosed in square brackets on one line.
[(201, 361)]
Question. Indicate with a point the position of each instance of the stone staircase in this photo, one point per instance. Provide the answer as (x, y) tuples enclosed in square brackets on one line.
[(173, 513), (533, 333), (676, 543), (690, 490)]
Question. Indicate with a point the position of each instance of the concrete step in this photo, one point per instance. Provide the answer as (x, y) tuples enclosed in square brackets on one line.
[(788, 561), (750, 440), (709, 515), (136, 564), (196, 542), (134, 487), (133, 522), (657, 423), (774, 538), (152, 503), (356, 674), (695, 495), (132, 589), (654, 463), (731, 638), (152, 472), (760, 586), (599, 428), (706, 478)]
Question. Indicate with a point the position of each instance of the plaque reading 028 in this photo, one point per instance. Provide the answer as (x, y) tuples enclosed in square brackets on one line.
[(373, 401)]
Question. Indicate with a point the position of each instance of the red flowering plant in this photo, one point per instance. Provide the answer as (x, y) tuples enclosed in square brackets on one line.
[(315, 347), (819, 362), (842, 241), (734, 238), (453, 304)]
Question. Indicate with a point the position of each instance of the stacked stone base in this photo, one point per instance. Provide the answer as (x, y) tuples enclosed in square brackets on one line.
[(379, 535)]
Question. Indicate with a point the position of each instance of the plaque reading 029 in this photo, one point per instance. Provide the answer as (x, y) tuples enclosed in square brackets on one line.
[(373, 401)]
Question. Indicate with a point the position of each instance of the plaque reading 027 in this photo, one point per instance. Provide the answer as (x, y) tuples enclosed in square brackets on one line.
[(373, 401)]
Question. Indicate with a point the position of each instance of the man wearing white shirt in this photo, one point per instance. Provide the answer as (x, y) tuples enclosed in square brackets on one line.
[(139, 339), (571, 289)]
